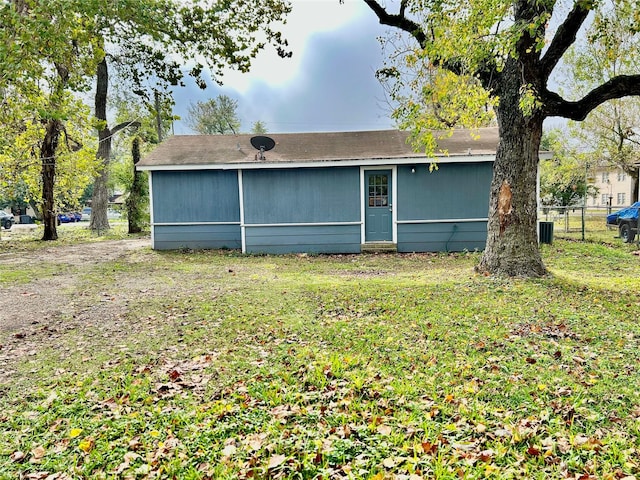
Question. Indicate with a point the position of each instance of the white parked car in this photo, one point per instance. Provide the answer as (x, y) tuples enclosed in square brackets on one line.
[(86, 214)]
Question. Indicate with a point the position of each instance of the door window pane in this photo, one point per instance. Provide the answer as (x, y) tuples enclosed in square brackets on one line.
[(378, 191)]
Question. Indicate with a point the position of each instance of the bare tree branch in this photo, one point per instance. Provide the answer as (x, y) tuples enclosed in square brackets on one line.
[(618, 87), (123, 125), (398, 21), (565, 37)]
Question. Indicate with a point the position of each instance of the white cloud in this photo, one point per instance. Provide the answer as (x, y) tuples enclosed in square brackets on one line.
[(307, 18), (328, 85)]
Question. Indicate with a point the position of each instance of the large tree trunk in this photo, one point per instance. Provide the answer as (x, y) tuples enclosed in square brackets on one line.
[(48, 157), (512, 239), (134, 207), (100, 198)]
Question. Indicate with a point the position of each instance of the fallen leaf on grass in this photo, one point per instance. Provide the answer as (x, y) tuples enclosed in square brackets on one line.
[(486, 455), (276, 461), (86, 445), (53, 396), (256, 440), (389, 462), (55, 425), (45, 476), (134, 443), (38, 452), (17, 456), (129, 457), (384, 429), (61, 446), (429, 448), (229, 450), (533, 451), (284, 411)]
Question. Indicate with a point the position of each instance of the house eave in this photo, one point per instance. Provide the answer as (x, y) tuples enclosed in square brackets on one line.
[(362, 162)]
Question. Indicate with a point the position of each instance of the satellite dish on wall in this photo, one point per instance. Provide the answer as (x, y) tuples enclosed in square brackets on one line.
[(262, 143)]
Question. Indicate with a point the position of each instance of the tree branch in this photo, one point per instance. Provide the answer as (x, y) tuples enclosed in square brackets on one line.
[(123, 125), (398, 21), (565, 37), (618, 87), (486, 71), (69, 141)]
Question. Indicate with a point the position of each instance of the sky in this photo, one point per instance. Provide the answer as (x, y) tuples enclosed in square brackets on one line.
[(328, 85)]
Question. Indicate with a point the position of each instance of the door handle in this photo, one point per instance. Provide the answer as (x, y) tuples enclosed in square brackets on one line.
[(391, 207)]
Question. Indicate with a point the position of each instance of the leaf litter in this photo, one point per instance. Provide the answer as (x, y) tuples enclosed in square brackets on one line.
[(340, 379)]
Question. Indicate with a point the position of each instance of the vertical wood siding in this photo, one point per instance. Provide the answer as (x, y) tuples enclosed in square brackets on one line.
[(455, 190), (176, 237), (318, 210), (457, 194), (301, 195), (305, 197), (195, 196), (196, 209), (442, 237)]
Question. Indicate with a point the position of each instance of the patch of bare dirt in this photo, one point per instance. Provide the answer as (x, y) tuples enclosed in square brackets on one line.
[(39, 314)]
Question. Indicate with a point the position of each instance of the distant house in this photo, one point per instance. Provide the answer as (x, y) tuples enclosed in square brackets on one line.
[(615, 187), (320, 193)]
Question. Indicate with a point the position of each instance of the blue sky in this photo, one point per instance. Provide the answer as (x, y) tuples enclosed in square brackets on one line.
[(328, 85)]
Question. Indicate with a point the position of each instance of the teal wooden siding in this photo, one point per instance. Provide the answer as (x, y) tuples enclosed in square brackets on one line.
[(455, 190), (318, 209), (275, 199), (196, 209), (303, 239), (455, 193), (301, 195), (442, 236), (195, 196), (176, 237)]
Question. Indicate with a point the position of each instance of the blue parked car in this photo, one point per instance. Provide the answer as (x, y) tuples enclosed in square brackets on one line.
[(627, 222), (63, 218)]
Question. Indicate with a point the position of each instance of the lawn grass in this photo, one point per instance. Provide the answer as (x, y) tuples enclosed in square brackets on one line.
[(368, 366), (68, 234)]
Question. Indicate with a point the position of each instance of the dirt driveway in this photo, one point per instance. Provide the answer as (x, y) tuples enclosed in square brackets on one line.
[(30, 314)]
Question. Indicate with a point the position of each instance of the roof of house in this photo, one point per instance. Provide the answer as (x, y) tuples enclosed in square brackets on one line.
[(201, 150)]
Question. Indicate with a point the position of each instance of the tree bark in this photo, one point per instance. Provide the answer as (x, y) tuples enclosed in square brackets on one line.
[(512, 243), (48, 158), (100, 198), (134, 212)]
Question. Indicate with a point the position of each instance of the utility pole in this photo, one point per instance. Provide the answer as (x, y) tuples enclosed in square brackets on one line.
[(158, 116)]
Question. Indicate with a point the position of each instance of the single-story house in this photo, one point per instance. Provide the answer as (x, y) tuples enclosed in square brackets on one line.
[(340, 192)]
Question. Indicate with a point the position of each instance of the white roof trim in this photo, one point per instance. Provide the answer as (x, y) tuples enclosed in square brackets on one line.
[(364, 162)]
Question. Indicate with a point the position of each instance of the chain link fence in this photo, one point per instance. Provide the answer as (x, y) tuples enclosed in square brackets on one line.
[(581, 223)]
